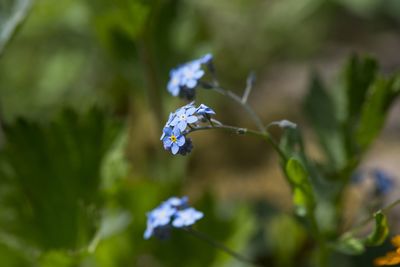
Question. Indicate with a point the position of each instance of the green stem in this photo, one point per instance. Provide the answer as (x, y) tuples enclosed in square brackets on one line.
[(363, 223), (242, 131), (220, 246), (253, 115)]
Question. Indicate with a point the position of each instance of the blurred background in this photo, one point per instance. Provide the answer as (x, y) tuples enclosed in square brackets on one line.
[(83, 100)]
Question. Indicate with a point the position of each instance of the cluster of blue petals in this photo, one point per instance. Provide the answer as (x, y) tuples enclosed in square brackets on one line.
[(175, 130), (384, 183), (185, 78), (174, 212)]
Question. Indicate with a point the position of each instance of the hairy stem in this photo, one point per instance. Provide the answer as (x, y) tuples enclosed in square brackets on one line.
[(253, 115)]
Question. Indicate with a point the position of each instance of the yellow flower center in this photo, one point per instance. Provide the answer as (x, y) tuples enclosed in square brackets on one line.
[(173, 138)]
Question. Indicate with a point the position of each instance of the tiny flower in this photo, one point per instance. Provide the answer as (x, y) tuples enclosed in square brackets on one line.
[(191, 74), (383, 182), (186, 217), (204, 110), (157, 219), (184, 116), (185, 78), (173, 139), (174, 212)]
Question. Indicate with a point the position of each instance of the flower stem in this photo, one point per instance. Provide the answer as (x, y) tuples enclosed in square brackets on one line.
[(242, 131), (370, 218), (220, 246), (253, 115)]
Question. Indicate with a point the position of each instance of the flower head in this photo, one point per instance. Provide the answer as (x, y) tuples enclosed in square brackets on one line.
[(186, 217), (182, 122), (174, 212), (184, 116), (173, 139), (185, 78)]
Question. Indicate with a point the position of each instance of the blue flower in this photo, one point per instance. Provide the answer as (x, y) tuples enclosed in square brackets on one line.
[(186, 217), (191, 74), (158, 219), (184, 116), (173, 139), (174, 212), (204, 110), (383, 182), (184, 79)]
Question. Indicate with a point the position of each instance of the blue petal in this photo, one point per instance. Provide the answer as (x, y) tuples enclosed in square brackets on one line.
[(167, 142), (174, 149), (192, 119), (190, 111), (191, 83), (181, 140), (182, 125), (199, 74)]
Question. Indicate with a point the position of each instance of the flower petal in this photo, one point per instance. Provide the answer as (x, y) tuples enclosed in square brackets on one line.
[(192, 119), (181, 140), (174, 149)]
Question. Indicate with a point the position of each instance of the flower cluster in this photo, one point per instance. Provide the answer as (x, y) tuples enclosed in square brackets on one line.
[(392, 257), (174, 212), (175, 130), (185, 78)]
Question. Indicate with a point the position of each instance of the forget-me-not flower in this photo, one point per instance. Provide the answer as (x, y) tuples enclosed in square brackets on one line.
[(184, 79), (173, 139), (184, 116), (174, 212), (186, 217)]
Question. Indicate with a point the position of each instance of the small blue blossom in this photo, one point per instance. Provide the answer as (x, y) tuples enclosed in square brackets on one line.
[(204, 110), (184, 79), (383, 182), (191, 74), (184, 116), (173, 139), (186, 217), (158, 218), (174, 212)]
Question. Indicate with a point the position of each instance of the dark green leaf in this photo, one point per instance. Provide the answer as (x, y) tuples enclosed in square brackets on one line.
[(320, 110), (374, 111)]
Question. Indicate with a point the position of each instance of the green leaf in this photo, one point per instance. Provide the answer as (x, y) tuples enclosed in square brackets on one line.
[(350, 245), (12, 13), (55, 168), (380, 232), (321, 112), (374, 111), (303, 198), (359, 74)]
